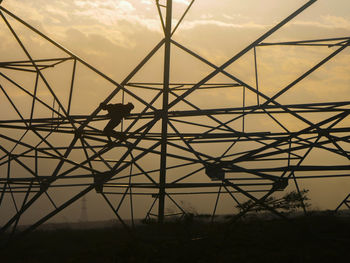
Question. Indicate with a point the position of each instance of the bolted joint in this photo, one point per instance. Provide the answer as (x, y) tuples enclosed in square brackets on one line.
[(158, 113), (155, 195), (214, 172), (99, 180), (323, 132), (280, 184), (78, 133), (44, 183)]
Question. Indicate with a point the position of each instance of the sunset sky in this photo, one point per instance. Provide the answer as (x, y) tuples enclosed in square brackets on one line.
[(120, 30), (114, 35)]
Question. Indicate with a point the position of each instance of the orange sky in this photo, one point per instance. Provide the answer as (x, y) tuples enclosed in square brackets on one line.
[(114, 35)]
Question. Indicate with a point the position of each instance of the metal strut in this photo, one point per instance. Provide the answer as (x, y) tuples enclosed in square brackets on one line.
[(164, 131)]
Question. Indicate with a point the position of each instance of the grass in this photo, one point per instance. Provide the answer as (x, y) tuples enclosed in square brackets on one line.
[(317, 238)]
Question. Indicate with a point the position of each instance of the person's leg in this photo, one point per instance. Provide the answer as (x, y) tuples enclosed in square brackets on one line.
[(111, 125), (109, 129)]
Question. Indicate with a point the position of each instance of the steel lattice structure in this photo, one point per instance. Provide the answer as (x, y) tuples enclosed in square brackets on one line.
[(160, 159)]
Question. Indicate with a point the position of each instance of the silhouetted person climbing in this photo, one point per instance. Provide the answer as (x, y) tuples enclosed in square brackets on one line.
[(116, 112)]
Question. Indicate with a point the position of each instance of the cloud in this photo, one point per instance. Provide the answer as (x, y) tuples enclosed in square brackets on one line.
[(146, 2), (118, 19), (205, 22), (186, 2), (327, 21), (106, 12), (113, 19), (121, 6)]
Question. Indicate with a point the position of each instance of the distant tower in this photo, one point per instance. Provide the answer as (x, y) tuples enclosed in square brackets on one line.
[(83, 213)]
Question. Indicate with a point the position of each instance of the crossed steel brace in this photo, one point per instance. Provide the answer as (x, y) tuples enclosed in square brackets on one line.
[(158, 129), (345, 202)]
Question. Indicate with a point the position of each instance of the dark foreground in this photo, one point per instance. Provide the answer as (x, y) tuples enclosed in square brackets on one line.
[(307, 239)]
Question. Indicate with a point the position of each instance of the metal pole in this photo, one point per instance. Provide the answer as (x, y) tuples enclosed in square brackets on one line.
[(166, 77)]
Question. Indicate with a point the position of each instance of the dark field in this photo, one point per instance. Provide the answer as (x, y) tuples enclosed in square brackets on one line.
[(321, 238)]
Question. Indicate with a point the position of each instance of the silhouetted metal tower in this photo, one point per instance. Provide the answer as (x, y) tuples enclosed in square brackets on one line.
[(48, 132), (83, 212), (164, 136)]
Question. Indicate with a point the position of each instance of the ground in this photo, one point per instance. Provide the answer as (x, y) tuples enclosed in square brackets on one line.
[(313, 238)]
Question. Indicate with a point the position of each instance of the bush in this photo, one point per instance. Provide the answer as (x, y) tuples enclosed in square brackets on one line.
[(288, 203)]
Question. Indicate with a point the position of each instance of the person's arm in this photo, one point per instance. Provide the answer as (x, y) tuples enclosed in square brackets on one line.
[(109, 107)]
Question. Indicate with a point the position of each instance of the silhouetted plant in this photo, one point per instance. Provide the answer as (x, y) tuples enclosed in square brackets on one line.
[(188, 218), (188, 208), (288, 203), (148, 221)]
